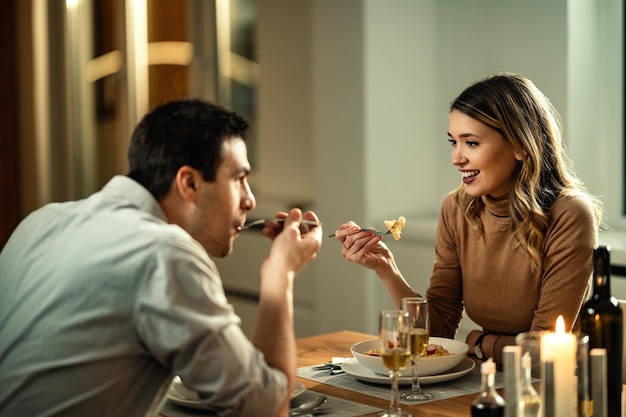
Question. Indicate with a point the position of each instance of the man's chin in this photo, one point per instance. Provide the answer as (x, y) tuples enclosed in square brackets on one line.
[(219, 251), (224, 253)]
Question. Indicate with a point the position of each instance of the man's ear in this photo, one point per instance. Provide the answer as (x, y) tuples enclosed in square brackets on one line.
[(187, 182)]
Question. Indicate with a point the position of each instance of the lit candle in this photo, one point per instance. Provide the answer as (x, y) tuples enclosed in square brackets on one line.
[(559, 348)]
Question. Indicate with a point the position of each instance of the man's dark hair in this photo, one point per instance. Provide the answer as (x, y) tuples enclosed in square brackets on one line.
[(183, 132)]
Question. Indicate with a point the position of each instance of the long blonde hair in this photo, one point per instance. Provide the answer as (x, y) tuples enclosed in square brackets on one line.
[(515, 107)]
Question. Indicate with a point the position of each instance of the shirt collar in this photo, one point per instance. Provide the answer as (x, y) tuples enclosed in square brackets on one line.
[(136, 194)]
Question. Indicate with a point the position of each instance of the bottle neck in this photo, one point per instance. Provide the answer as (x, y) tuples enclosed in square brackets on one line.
[(602, 286), (488, 382), (601, 272), (526, 375)]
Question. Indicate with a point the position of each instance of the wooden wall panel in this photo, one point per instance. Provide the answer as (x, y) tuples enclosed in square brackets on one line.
[(9, 122)]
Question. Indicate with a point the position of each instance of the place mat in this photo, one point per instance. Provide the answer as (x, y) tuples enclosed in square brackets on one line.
[(467, 384), (334, 406)]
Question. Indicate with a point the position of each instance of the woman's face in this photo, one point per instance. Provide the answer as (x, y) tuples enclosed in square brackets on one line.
[(487, 163)]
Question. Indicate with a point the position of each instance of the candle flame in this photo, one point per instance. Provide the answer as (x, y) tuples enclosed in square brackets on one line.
[(560, 325)]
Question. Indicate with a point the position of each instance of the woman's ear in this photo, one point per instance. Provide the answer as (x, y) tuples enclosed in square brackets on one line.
[(521, 156)]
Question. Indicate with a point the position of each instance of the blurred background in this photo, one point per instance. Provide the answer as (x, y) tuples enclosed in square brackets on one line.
[(348, 100)]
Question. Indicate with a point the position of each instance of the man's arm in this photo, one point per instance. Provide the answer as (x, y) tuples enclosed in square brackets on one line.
[(274, 332)]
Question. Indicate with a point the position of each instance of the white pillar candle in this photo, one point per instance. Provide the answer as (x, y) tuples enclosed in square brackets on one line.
[(598, 381), (560, 349)]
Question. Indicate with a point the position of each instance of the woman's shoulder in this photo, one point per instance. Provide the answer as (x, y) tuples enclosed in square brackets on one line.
[(451, 211), (450, 205), (450, 200), (573, 210), (574, 203)]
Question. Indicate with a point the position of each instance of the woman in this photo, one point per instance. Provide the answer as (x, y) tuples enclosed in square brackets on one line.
[(515, 241)]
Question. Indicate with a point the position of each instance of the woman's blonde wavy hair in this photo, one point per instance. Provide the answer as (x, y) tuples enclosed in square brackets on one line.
[(515, 107)]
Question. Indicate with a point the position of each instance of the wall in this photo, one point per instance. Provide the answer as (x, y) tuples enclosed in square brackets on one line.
[(9, 161), (353, 117), (595, 112)]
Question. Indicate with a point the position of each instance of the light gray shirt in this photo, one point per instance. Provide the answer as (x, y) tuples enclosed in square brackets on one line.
[(102, 302)]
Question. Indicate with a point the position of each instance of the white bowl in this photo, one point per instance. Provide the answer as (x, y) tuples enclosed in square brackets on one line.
[(427, 366)]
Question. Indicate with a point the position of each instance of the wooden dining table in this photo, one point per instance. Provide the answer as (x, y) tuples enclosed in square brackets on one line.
[(319, 349), (316, 350)]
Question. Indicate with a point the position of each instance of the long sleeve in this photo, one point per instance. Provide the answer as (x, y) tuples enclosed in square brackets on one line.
[(568, 263), (445, 292), (185, 321)]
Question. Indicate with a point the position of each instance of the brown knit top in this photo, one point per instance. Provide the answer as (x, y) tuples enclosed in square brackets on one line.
[(491, 276)]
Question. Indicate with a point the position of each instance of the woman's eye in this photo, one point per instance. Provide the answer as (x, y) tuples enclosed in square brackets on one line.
[(472, 144), (452, 142)]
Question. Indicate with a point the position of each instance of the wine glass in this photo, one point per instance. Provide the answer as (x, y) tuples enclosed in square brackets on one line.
[(395, 351), (417, 308)]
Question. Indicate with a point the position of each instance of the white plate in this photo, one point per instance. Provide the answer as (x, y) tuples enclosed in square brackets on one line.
[(179, 399), (353, 367)]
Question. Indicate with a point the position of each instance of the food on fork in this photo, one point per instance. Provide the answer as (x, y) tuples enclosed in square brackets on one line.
[(395, 226)]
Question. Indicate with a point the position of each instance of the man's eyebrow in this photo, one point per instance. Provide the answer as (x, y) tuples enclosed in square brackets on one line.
[(243, 170)]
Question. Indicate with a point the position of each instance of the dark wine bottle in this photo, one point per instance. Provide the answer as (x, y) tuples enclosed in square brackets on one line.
[(601, 319)]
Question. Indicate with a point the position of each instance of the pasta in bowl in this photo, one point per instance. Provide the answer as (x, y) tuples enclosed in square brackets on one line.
[(442, 354)]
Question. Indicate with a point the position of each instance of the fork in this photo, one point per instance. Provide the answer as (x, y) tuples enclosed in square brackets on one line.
[(376, 232), (261, 223), (334, 366)]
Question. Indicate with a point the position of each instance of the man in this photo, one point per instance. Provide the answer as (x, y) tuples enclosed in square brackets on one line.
[(104, 300)]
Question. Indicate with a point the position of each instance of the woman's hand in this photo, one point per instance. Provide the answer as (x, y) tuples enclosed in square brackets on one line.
[(363, 247), (366, 248)]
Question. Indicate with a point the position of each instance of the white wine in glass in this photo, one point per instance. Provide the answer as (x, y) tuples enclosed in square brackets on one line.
[(396, 359), (419, 341), (395, 351), (417, 308)]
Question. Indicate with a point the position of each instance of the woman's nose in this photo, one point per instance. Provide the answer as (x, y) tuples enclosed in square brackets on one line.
[(457, 155)]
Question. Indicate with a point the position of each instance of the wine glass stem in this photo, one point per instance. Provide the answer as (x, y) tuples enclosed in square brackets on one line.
[(416, 384), (395, 403)]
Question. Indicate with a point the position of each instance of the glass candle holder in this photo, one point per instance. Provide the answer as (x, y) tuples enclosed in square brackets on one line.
[(531, 342), (585, 406)]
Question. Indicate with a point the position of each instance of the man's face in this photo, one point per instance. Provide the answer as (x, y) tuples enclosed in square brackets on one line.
[(222, 204)]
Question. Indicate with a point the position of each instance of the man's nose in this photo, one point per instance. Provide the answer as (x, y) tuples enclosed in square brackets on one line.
[(248, 201)]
